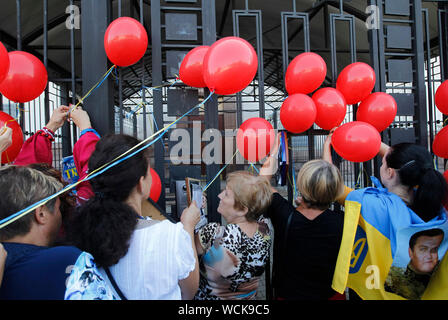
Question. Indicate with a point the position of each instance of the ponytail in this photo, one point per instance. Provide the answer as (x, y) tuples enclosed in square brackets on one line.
[(415, 170)]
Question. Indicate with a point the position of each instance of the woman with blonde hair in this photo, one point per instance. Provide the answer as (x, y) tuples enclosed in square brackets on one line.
[(306, 238), (233, 256)]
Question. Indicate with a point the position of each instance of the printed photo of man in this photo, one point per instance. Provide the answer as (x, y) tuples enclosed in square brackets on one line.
[(423, 249)]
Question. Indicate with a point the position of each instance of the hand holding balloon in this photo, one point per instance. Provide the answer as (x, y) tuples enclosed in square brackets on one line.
[(81, 118), (326, 151), (58, 118)]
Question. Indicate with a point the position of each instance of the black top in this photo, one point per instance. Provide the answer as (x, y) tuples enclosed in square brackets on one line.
[(304, 266)]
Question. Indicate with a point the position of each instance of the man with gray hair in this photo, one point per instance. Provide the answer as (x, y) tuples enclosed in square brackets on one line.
[(33, 269)]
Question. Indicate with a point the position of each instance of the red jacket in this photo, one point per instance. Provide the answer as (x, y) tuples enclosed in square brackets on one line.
[(37, 149)]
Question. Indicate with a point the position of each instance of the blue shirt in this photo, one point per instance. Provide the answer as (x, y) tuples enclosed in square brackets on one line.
[(35, 272)]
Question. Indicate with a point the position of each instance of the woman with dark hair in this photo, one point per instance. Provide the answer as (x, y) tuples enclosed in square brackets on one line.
[(412, 197), (142, 259), (407, 170)]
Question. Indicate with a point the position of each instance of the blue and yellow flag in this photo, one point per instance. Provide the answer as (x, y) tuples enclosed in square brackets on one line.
[(388, 252)]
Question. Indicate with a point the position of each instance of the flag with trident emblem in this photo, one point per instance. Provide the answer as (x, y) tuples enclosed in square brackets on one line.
[(388, 252)]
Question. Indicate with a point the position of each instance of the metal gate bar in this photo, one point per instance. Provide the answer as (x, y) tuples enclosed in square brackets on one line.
[(237, 14)]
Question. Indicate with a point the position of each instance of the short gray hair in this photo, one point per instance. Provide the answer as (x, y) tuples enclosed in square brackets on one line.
[(20, 187)]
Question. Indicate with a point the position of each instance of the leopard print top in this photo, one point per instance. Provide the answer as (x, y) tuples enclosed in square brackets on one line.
[(232, 261)]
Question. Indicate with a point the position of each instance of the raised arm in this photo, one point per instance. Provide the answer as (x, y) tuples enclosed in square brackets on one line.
[(326, 155), (383, 149), (37, 148), (270, 166), (326, 152), (82, 151)]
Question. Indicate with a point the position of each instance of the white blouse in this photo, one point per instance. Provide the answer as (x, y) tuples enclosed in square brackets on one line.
[(158, 257)]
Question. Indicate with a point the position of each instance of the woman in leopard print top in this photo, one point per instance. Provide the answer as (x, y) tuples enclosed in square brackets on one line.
[(233, 256)]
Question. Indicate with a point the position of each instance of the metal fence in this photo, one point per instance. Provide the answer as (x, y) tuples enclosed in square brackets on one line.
[(139, 99)]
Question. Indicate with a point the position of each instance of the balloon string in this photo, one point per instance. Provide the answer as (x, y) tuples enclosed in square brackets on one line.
[(99, 83), (254, 167), (219, 172), (140, 105), (171, 83), (98, 171)]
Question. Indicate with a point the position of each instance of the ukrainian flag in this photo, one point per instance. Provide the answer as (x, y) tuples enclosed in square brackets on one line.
[(373, 219)]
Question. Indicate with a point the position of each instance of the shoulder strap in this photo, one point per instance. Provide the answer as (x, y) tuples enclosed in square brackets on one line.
[(114, 284)]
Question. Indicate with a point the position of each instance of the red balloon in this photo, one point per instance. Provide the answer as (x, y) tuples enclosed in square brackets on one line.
[(191, 68), (440, 143), (356, 141), (125, 41), (441, 98), (305, 73), (230, 65), (379, 109), (255, 138), (298, 113), (331, 108), (156, 186), (4, 62), (26, 79), (10, 154), (356, 82)]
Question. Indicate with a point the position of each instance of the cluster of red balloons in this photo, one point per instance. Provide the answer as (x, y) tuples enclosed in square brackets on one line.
[(357, 141), (440, 143), (226, 67), (360, 141)]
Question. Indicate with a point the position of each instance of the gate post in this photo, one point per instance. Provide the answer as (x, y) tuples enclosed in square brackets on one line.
[(100, 104)]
